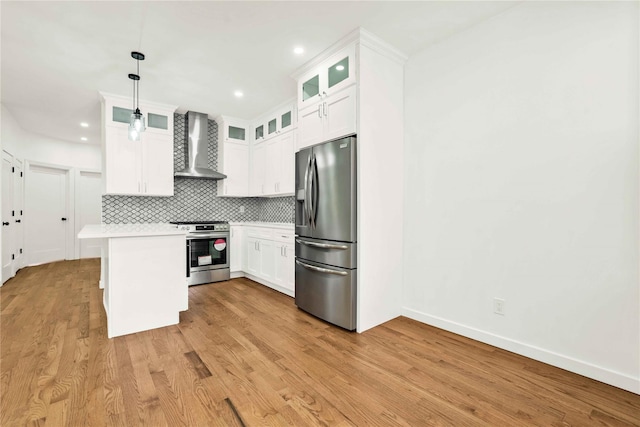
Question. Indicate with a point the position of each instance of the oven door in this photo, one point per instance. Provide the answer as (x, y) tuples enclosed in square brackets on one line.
[(208, 251)]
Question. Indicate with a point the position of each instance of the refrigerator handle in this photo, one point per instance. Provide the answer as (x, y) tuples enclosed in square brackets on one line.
[(307, 193), (315, 190), (321, 270), (312, 202)]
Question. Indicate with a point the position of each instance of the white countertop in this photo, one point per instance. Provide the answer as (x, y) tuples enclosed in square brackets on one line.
[(281, 225), (100, 231)]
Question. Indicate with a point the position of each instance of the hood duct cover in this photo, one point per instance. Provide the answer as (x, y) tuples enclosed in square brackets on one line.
[(195, 152)]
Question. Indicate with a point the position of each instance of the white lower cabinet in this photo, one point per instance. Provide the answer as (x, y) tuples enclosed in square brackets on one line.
[(270, 257), (236, 250)]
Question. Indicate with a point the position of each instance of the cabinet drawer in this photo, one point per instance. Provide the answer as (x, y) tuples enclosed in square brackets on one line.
[(260, 233), (284, 236)]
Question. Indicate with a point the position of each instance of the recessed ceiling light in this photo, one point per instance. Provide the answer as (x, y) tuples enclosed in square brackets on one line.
[(339, 67), (299, 50), (84, 138), (238, 94), (84, 124)]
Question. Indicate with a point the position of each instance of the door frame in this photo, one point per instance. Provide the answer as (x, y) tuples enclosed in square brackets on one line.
[(69, 207)]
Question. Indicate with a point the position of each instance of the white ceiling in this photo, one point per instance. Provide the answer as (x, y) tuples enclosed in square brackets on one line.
[(57, 55)]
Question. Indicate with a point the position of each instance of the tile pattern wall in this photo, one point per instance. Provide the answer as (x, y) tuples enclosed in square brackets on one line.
[(194, 199)]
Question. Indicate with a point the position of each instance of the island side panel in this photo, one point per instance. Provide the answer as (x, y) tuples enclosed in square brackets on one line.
[(146, 283)]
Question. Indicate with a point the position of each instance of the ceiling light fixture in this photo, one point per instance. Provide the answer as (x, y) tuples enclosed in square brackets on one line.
[(84, 124), (238, 94), (136, 124), (298, 50), (84, 138)]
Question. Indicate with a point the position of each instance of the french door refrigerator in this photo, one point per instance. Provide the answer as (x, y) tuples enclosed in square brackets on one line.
[(325, 224)]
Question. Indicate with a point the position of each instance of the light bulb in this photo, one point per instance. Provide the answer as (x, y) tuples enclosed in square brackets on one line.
[(134, 135)]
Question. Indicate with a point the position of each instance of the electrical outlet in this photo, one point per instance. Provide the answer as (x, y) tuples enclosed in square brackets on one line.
[(241, 209), (499, 306)]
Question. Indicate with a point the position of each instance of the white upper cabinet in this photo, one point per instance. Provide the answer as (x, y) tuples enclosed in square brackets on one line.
[(233, 157), (139, 168), (333, 117), (233, 130), (270, 125), (327, 98), (333, 74)]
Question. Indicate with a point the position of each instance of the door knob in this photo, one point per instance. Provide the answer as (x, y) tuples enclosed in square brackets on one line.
[(5, 223), (64, 219), (18, 221)]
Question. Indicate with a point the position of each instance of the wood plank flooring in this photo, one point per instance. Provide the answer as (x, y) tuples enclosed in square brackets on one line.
[(244, 355)]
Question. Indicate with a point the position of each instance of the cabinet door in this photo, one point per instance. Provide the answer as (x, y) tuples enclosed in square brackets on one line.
[(272, 172), (339, 112), (339, 71), (285, 268), (235, 164), (310, 88), (254, 261), (258, 164), (157, 164), (123, 174), (268, 261), (310, 126), (235, 248), (286, 180)]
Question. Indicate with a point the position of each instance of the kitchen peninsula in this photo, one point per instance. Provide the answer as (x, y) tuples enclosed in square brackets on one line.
[(142, 273)]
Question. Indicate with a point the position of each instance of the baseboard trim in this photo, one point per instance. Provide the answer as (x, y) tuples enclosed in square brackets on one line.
[(580, 367)]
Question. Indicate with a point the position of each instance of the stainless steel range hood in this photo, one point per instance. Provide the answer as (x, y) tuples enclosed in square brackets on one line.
[(195, 150)]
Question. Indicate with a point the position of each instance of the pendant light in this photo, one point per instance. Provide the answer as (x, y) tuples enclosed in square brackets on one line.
[(136, 123)]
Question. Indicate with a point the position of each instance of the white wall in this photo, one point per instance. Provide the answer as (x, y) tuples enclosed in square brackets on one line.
[(522, 182), (10, 133)]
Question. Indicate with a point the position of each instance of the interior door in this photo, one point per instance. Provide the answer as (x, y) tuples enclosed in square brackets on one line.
[(7, 220), (46, 200), (88, 211)]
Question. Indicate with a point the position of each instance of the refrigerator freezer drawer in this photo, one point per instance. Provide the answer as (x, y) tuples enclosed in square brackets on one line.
[(339, 254), (327, 292)]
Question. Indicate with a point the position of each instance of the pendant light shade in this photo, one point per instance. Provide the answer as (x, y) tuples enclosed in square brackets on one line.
[(136, 123)]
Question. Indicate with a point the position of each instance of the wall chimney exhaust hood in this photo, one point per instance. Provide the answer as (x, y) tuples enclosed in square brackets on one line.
[(195, 151)]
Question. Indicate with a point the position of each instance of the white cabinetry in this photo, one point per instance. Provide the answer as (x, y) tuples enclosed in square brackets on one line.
[(279, 169), (332, 117), (258, 168), (285, 256), (368, 102), (140, 168), (233, 158), (270, 257), (237, 249), (331, 75)]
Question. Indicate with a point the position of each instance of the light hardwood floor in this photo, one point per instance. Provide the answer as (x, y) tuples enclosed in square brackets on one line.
[(245, 355)]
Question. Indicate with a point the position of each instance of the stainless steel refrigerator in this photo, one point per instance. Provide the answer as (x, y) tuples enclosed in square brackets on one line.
[(326, 239)]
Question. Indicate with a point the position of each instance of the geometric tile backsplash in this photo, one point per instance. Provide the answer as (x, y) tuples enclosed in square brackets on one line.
[(194, 199)]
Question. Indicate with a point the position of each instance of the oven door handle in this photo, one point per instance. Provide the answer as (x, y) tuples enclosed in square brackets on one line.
[(188, 258), (206, 236)]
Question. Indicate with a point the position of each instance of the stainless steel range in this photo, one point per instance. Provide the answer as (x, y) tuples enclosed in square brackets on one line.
[(207, 251)]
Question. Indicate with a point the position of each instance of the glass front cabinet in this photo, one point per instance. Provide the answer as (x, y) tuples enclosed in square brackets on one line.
[(332, 75), (278, 121)]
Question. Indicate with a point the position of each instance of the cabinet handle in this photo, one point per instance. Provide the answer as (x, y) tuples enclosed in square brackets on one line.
[(320, 110), (285, 251), (139, 187), (324, 108), (145, 187), (324, 94)]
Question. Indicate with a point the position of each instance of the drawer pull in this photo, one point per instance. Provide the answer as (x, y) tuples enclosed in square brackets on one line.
[(322, 245), (321, 270)]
